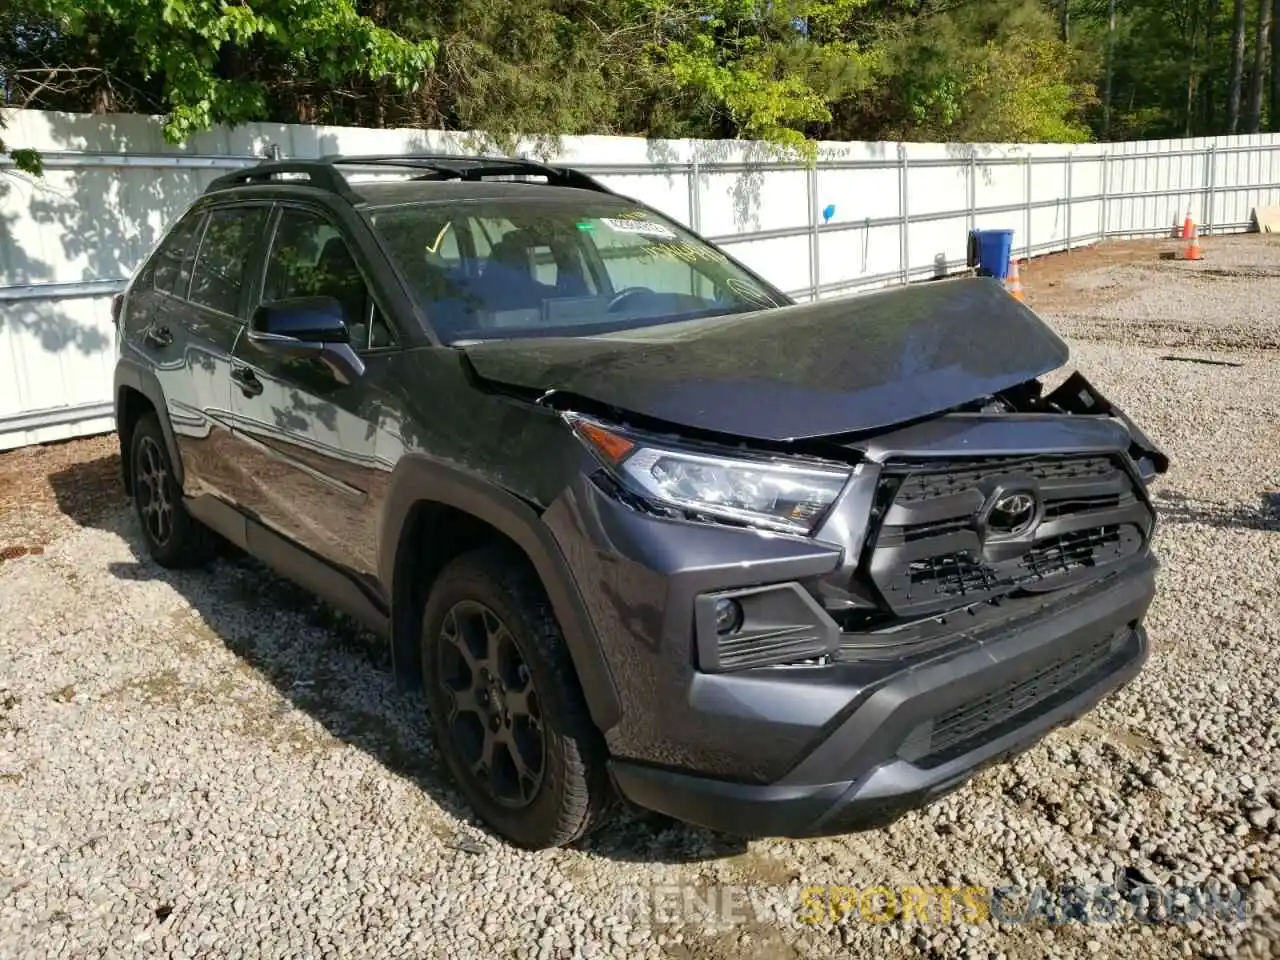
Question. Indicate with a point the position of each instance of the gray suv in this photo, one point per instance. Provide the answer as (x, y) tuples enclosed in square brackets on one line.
[(639, 526)]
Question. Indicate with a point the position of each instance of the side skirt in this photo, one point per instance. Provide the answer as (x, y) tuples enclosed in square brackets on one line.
[(301, 566)]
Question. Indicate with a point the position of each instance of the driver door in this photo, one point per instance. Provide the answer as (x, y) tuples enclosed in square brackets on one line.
[(308, 439)]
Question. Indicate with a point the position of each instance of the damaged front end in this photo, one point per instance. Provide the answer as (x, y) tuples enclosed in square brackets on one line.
[(1000, 512), (976, 507), (851, 575), (1003, 513), (1077, 396)]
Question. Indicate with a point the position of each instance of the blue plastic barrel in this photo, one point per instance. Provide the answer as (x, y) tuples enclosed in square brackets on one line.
[(995, 248)]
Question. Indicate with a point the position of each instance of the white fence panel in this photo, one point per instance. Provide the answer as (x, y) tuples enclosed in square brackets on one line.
[(898, 213)]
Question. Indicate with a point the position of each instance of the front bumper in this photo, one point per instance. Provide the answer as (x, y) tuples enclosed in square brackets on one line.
[(823, 744), (878, 762)]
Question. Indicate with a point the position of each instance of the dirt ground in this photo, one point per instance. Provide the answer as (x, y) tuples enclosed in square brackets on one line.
[(1045, 279), (34, 510)]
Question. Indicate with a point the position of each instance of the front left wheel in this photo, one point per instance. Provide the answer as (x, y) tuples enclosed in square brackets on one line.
[(508, 713), (174, 538)]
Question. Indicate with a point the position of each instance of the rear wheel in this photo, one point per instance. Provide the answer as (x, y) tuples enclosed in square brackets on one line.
[(174, 538), (507, 710)]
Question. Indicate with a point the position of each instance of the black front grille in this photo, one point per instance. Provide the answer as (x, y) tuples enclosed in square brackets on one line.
[(932, 550), (964, 728), (925, 481), (962, 575)]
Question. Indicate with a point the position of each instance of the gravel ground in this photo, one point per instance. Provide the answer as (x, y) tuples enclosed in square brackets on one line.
[(211, 764)]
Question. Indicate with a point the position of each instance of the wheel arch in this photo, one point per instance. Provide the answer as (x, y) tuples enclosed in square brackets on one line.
[(137, 391), (422, 492)]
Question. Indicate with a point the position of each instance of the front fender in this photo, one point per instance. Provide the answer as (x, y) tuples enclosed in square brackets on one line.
[(418, 478)]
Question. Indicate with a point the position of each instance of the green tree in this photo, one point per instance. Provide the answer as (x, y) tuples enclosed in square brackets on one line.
[(214, 63), (786, 71), (981, 72), (770, 71)]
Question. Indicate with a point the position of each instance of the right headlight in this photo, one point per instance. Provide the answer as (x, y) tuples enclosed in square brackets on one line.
[(766, 492)]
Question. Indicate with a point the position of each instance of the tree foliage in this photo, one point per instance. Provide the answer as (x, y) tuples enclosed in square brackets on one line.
[(24, 158), (786, 71)]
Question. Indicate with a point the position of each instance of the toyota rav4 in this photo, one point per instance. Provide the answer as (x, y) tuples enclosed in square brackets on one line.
[(641, 527)]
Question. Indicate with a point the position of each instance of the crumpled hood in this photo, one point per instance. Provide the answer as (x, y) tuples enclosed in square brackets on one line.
[(841, 366)]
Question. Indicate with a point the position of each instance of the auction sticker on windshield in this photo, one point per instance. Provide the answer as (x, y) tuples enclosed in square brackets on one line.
[(645, 228)]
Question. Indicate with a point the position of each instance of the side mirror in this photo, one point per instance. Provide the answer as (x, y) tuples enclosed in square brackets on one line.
[(309, 319), (307, 328)]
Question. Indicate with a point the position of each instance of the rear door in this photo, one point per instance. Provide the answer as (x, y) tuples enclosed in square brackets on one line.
[(155, 325), (184, 318), (212, 319), (308, 439)]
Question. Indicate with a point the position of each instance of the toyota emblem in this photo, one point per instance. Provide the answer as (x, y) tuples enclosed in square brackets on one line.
[(1012, 513)]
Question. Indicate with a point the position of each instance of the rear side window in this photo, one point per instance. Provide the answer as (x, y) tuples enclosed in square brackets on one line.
[(229, 239), (171, 269)]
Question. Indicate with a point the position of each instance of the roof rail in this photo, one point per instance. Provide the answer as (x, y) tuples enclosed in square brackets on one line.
[(325, 174), (319, 173), (440, 166)]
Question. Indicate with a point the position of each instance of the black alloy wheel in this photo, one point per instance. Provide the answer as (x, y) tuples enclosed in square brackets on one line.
[(508, 713), (174, 538), (494, 713), (153, 490)]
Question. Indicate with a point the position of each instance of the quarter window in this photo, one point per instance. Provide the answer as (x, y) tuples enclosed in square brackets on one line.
[(228, 240), (171, 270)]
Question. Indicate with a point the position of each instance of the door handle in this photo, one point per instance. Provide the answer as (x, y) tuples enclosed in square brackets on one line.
[(250, 385), (158, 336)]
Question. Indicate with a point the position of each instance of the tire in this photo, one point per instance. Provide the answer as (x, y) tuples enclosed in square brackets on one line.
[(491, 603), (174, 538)]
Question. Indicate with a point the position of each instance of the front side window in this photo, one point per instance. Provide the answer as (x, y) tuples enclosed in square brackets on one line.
[(219, 274), (310, 258), (557, 268)]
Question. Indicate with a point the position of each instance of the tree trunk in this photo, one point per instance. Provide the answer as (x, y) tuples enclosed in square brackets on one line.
[(1064, 19), (1237, 68), (1273, 112), (1106, 92), (1206, 85), (1261, 43), (1192, 34)]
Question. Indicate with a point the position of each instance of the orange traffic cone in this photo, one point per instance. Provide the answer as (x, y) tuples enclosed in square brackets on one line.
[(1188, 226), (1013, 283), (1193, 246)]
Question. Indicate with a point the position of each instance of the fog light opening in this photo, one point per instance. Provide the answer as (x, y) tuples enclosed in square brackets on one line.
[(728, 616)]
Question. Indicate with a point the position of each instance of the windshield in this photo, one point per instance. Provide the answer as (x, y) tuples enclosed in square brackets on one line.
[(526, 268)]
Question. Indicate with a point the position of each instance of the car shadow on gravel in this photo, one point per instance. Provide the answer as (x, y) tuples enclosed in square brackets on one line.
[(328, 666), (1178, 508)]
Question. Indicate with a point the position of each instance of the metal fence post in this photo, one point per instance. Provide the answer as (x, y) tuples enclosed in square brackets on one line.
[(695, 198), (1027, 177), (973, 188), (1211, 158), (1106, 186), (1069, 203), (904, 246), (811, 190)]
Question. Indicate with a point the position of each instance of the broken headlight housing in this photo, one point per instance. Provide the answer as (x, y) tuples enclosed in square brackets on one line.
[(788, 495)]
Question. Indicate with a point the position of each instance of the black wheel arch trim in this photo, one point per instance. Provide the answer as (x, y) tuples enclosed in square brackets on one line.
[(134, 376), (418, 479)]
